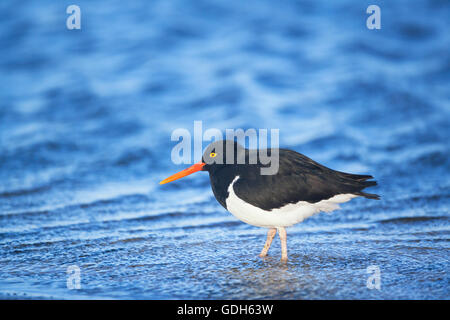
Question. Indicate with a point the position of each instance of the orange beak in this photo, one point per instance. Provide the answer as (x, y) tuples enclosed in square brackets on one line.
[(194, 168)]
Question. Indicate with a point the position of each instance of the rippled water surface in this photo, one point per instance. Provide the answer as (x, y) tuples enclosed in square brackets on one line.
[(85, 124)]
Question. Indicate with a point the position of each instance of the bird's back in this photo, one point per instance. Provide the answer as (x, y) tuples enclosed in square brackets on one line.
[(299, 178)]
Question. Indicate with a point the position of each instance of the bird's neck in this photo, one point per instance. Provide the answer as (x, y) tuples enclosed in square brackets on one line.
[(221, 179), (220, 182)]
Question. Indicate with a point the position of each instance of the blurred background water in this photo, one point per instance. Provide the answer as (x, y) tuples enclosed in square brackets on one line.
[(85, 123)]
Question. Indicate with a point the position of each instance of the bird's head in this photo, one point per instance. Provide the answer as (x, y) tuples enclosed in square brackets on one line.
[(223, 153), (218, 155)]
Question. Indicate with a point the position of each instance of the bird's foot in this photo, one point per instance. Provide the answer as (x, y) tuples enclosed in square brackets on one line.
[(284, 259)]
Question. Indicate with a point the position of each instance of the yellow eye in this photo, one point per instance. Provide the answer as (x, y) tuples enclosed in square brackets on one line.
[(212, 154)]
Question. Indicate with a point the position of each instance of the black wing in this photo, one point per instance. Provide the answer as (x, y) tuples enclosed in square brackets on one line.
[(299, 178)]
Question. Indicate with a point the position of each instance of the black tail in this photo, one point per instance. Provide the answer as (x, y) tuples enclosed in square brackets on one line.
[(368, 195), (357, 177), (365, 184), (359, 181)]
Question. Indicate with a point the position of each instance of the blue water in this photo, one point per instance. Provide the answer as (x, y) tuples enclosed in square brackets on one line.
[(86, 118)]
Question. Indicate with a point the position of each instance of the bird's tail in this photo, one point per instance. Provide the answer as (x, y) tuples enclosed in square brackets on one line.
[(368, 195), (360, 181)]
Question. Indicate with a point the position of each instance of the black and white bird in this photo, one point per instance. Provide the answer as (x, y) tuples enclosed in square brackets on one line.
[(299, 189)]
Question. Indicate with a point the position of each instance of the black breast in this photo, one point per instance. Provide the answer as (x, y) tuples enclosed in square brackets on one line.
[(220, 181)]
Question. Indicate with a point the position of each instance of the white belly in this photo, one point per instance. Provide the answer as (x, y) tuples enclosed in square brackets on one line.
[(282, 217)]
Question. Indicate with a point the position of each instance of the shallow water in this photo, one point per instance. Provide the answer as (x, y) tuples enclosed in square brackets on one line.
[(86, 118)]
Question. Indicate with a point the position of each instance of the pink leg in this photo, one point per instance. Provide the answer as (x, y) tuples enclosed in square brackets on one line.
[(270, 235), (283, 238)]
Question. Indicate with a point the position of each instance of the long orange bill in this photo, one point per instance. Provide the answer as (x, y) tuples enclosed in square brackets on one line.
[(194, 168)]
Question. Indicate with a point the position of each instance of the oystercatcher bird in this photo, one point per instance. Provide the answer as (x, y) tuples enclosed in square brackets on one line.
[(299, 189)]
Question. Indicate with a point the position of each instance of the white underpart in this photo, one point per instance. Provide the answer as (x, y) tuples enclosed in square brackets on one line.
[(285, 216)]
